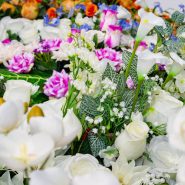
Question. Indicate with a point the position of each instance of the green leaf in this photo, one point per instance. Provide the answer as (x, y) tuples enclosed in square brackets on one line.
[(117, 78), (89, 106), (95, 40), (37, 79), (133, 69), (178, 17), (97, 143), (180, 30)]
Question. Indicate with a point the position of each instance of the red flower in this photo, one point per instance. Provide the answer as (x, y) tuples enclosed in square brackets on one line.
[(52, 13), (91, 9)]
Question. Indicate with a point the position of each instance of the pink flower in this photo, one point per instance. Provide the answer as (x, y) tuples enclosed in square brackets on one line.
[(112, 55), (57, 85), (21, 63), (6, 41), (48, 45), (130, 83), (113, 36), (109, 17)]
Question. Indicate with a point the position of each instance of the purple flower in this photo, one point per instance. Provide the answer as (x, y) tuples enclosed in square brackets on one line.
[(112, 55), (48, 45), (6, 41), (21, 63), (130, 83), (57, 85)]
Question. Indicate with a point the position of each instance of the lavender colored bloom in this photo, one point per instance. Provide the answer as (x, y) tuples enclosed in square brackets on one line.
[(57, 85), (48, 45), (130, 83), (21, 63), (80, 6), (85, 27), (114, 56), (182, 8), (158, 7), (51, 22), (162, 67)]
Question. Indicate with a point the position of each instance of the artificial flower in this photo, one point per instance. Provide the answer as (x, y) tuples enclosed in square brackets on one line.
[(21, 63), (148, 22), (21, 150), (11, 113), (113, 36), (109, 17), (164, 157), (132, 141), (57, 85), (175, 130), (19, 90)]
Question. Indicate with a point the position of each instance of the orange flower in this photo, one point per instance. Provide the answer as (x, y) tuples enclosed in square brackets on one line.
[(7, 6), (30, 9), (129, 4), (52, 13), (91, 9), (68, 4)]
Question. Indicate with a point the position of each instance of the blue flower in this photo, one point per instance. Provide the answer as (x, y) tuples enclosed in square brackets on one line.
[(85, 27), (103, 6), (182, 8), (80, 7), (158, 7), (113, 7), (71, 13), (74, 26), (125, 24), (51, 22), (60, 12)]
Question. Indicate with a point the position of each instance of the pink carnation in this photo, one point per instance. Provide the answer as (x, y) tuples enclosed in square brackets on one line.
[(21, 63), (112, 55), (48, 45), (57, 85)]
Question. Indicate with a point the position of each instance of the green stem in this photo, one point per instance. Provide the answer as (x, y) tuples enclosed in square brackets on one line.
[(140, 81), (132, 58), (169, 77)]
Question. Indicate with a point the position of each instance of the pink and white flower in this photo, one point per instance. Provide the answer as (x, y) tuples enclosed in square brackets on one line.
[(112, 55), (113, 36), (48, 45), (109, 17), (57, 85), (130, 83), (21, 63)]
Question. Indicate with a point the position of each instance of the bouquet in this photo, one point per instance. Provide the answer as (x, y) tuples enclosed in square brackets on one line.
[(93, 95)]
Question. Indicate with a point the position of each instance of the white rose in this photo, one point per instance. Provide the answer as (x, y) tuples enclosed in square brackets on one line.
[(176, 130), (163, 106), (132, 141), (29, 34), (181, 174), (11, 114), (19, 90), (75, 170), (164, 157)]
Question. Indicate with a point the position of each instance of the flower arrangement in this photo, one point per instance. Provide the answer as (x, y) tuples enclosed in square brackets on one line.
[(92, 93)]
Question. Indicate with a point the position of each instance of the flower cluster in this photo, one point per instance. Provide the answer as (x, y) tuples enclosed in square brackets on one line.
[(92, 93)]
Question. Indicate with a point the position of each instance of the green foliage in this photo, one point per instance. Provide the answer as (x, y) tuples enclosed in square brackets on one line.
[(133, 69), (44, 62), (97, 143), (164, 32), (13, 36), (178, 17), (36, 78), (117, 78), (89, 106), (180, 30), (146, 87)]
